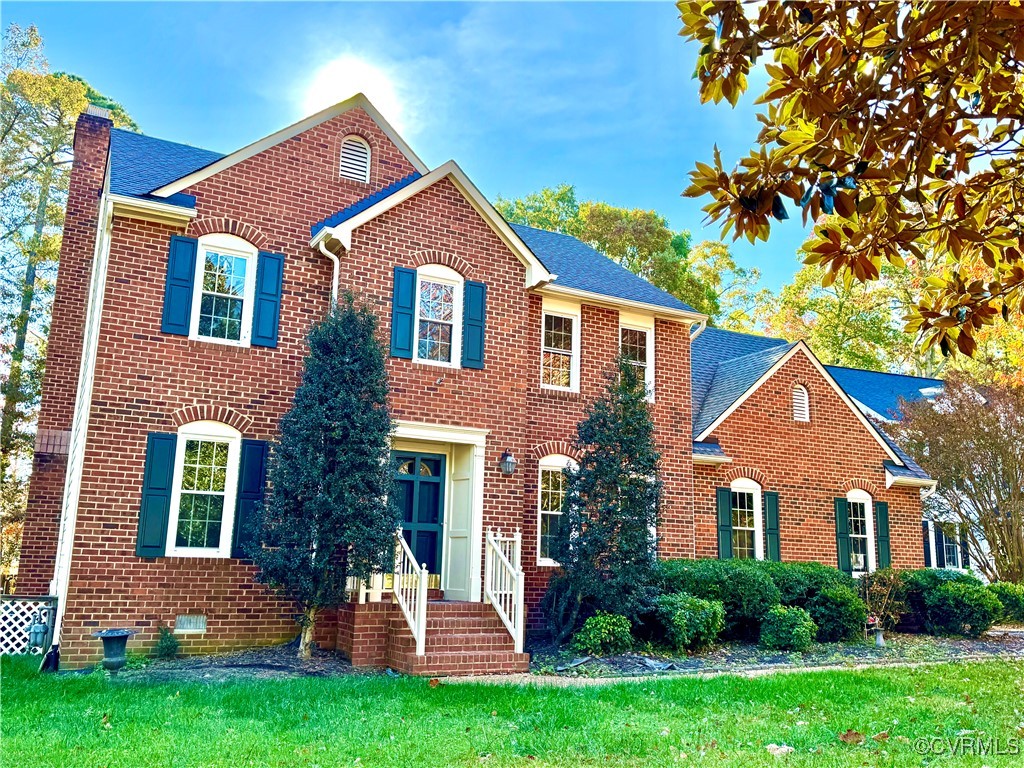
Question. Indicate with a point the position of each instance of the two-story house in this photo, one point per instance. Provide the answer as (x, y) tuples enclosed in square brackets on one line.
[(187, 283)]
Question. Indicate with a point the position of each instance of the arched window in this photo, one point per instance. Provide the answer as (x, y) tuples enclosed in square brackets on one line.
[(439, 292), (224, 285), (202, 511), (551, 489), (801, 404), (862, 531), (355, 159), (747, 519)]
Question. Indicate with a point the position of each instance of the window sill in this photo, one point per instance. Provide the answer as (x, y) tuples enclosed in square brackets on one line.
[(198, 554), (437, 364), (559, 394), (545, 562)]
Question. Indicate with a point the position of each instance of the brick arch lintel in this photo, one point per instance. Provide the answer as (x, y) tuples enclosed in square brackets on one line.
[(459, 264), (217, 224), (561, 447), (220, 413), (748, 473), (860, 484)]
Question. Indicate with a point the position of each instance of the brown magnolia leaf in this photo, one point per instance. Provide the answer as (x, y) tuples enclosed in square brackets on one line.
[(881, 737), (852, 737), (434, 682)]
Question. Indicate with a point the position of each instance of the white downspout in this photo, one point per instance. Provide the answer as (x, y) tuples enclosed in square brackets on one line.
[(700, 329), (337, 268)]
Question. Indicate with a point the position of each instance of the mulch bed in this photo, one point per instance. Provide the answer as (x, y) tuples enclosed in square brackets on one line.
[(741, 657)]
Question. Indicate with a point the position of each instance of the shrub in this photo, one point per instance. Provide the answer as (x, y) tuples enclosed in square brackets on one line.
[(1012, 598), (918, 584), (746, 591), (167, 645), (787, 629), (799, 583), (839, 614), (884, 593), (959, 608), (689, 623), (603, 633)]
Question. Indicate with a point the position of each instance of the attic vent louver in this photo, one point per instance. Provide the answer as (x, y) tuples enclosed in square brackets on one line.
[(801, 404), (355, 159)]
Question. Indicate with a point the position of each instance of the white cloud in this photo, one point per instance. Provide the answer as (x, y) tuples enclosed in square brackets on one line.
[(349, 74)]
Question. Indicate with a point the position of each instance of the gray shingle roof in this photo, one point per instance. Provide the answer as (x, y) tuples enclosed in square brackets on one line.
[(882, 392), (581, 267), (139, 164), (708, 449)]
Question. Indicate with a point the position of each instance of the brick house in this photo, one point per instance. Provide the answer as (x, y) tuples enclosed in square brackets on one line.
[(187, 283)]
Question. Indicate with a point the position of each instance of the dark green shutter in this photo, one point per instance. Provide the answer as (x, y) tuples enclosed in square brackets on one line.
[(883, 550), (474, 314), (723, 497), (266, 313), (403, 307), (927, 544), (181, 273), (965, 555), (252, 480), (157, 485), (843, 535), (771, 526), (940, 545)]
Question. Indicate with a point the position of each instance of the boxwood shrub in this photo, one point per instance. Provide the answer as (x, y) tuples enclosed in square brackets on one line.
[(603, 633), (839, 613), (688, 623), (1012, 597), (799, 583), (918, 584), (960, 608), (788, 629), (744, 589)]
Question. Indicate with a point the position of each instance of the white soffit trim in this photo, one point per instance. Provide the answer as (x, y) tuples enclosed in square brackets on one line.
[(613, 302), (801, 346), (150, 210), (536, 273), (908, 482), (440, 433), (359, 100), (711, 459)]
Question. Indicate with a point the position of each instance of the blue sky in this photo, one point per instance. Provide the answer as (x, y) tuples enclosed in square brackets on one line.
[(520, 95)]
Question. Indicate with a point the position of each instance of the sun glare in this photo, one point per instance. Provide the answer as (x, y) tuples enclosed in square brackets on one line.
[(347, 75)]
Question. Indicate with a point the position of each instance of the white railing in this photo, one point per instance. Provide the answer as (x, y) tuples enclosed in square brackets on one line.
[(503, 582), (410, 589)]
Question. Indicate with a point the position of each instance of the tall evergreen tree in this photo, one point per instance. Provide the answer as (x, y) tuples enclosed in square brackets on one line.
[(330, 512), (605, 544)]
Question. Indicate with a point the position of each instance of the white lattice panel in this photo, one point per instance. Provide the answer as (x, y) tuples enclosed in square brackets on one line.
[(15, 620)]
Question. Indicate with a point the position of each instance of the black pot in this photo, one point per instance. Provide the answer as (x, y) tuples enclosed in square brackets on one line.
[(115, 644)]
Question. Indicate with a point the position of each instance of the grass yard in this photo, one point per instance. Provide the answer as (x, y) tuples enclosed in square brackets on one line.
[(89, 720)]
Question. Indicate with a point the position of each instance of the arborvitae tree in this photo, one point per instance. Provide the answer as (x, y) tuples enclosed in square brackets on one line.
[(329, 513), (605, 543)]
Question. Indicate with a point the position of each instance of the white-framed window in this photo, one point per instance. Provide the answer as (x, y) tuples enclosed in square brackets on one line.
[(560, 347), (636, 345), (747, 519), (205, 484), (551, 489), (862, 531), (225, 281), (439, 292), (951, 549), (355, 159), (801, 403)]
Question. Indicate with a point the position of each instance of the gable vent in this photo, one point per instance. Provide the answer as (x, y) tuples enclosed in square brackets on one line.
[(801, 404), (355, 159)]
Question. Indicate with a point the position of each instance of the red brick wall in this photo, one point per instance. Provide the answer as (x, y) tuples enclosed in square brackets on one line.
[(808, 464)]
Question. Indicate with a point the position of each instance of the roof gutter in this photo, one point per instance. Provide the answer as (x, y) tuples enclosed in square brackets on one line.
[(149, 210), (613, 302)]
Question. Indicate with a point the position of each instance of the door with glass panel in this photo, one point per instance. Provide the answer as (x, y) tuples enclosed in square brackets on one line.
[(419, 481)]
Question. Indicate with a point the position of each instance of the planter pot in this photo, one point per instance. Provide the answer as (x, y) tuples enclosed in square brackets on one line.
[(115, 644)]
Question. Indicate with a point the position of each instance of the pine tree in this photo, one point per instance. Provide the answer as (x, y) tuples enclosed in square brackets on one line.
[(329, 513), (605, 544)]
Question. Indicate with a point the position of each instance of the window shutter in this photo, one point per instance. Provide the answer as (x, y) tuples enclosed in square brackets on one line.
[(940, 546), (965, 555), (252, 481), (157, 485), (843, 535), (474, 314), (771, 526), (181, 274), (403, 307), (883, 550), (927, 544), (723, 497), (266, 313)]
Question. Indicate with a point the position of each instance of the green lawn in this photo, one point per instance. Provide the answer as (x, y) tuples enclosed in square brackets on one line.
[(88, 720)]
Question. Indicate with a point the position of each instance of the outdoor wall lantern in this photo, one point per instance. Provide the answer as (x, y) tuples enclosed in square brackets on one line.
[(507, 463), (37, 631)]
